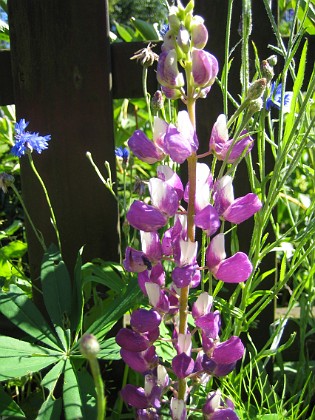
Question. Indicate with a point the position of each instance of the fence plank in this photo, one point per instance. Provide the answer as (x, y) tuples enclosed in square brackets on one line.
[(61, 72)]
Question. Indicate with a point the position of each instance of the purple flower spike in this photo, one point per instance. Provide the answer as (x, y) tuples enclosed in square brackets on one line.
[(136, 397), (145, 217), (210, 324), (167, 70), (163, 196), (144, 149), (131, 340), (136, 261), (234, 269), (208, 220), (143, 320), (205, 68), (183, 365), (242, 208), (183, 276)]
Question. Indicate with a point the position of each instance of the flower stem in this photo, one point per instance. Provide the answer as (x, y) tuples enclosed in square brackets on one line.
[(37, 233), (52, 214), (99, 386)]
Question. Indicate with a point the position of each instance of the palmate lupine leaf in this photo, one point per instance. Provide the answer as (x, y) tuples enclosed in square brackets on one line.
[(20, 358), (71, 393), (23, 313), (50, 409), (56, 285)]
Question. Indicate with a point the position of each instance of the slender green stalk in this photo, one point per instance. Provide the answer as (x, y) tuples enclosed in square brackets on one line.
[(99, 386), (52, 214), (37, 233)]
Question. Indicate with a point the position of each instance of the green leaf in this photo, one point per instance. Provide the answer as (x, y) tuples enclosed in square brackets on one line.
[(147, 30), (50, 409), (88, 394), (8, 407), (56, 285), (105, 274), (23, 313), (288, 132), (110, 350), (116, 310), (71, 394), (14, 249), (50, 380), (124, 32), (20, 358)]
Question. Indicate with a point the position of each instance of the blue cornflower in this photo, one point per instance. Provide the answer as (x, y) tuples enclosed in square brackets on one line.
[(27, 142), (274, 99), (123, 153)]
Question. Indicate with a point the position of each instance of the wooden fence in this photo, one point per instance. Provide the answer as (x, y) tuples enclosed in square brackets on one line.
[(62, 74)]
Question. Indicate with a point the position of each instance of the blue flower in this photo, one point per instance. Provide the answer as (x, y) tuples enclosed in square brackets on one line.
[(26, 142), (122, 152), (274, 99)]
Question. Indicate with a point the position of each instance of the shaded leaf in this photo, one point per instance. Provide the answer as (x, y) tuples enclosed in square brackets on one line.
[(71, 394), (8, 407), (50, 380), (110, 350), (51, 409), (19, 358), (23, 313)]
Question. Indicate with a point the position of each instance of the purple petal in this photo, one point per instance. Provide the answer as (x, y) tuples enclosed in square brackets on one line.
[(223, 194), (167, 70), (134, 396), (242, 208), (140, 361), (229, 351), (166, 174), (136, 261), (177, 145), (163, 196), (208, 219), (144, 149), (131, 340), (213, 368), (224, 414), (204, 68), (156, 275), (235, 269), (215, 252), (199, 34), (143, 320), (202, 306), (151, 245), (182, 276), (210, 324), (182, 365), (145, 217)]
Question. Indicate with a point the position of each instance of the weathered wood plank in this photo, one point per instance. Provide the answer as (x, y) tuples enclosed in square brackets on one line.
[(61, 73)]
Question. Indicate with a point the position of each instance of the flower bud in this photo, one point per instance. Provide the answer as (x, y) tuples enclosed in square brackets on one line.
[(256, 89), (6, 180), (204, 68), (183, 39), (199, 33), (157, 101), (89, 346), (272, 60), (254, 106), (167, 70), (267, 70)]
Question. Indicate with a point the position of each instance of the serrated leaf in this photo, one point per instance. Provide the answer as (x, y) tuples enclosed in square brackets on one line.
[(23, 313), (50, 409), (71, 394), (56, 285), (50, 380), (8, 407), (20, 358)]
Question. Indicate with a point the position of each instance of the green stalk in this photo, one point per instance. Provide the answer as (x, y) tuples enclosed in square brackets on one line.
[(37, 234), (99, 386)]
